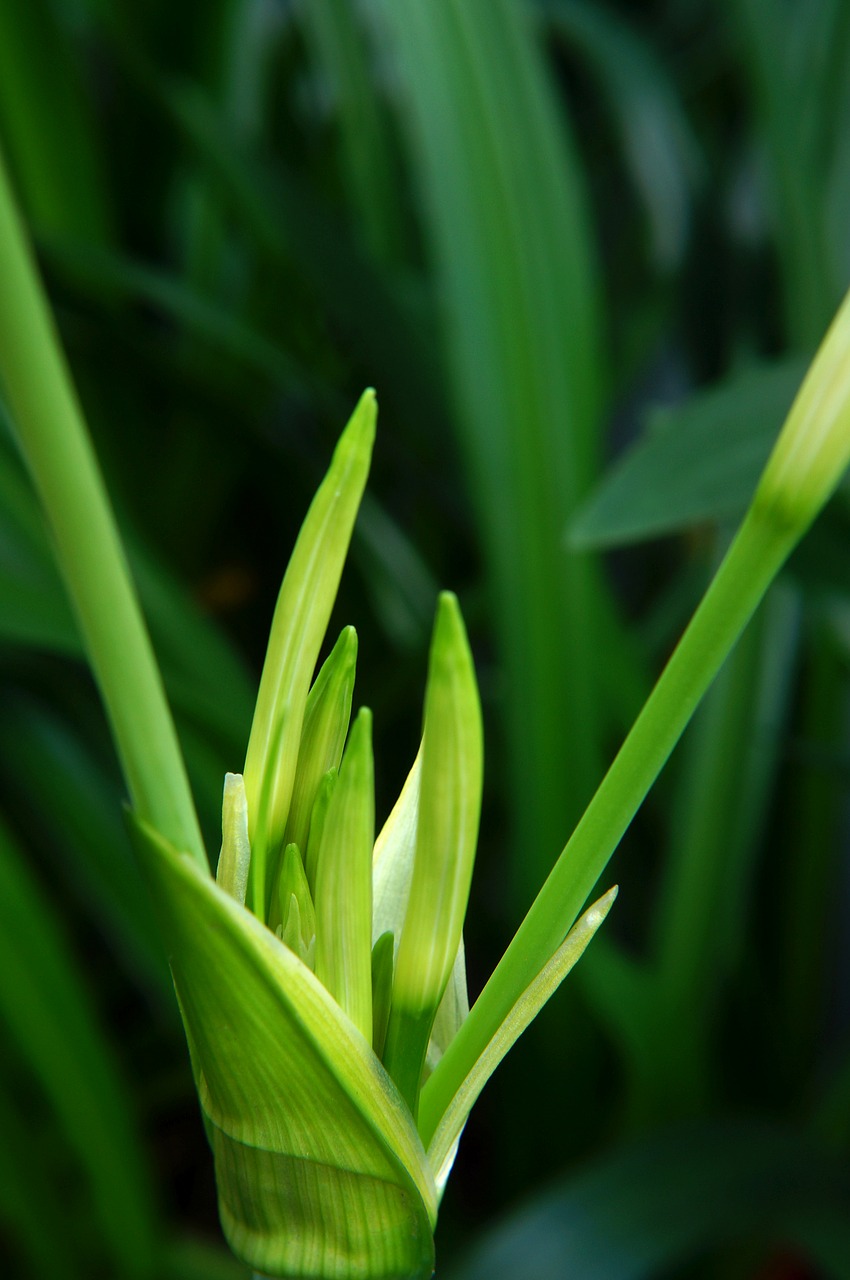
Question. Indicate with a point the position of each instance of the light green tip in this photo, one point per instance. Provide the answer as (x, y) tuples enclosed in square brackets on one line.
[(813, 449), (235, 856), (300, 620), (296, 910), (323, 736)]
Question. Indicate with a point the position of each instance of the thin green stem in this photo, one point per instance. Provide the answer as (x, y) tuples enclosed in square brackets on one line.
[(55, 443), (749, 567)]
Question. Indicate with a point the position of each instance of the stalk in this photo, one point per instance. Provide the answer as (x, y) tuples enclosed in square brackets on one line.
[(749, 567), (55, 443), (806, 464)]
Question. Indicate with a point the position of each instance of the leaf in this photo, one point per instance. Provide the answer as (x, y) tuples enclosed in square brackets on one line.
[(698, 462), (665, 1201), (442, 1140), (326, 716), (448, 814), (319, 1167), (392, 859), (344, 881), (300, 620), (392, 873)]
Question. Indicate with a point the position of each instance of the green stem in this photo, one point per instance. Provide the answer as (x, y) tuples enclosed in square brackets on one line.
[(55, 443), (749, 567)]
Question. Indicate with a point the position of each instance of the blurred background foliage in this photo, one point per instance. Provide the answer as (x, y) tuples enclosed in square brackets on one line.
[(583, 251)]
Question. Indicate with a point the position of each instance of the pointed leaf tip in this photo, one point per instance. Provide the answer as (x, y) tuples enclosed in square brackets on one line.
[(301, 617), (440, 1133)]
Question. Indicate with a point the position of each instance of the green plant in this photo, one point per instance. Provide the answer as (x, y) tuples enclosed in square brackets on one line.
[(235, 980)]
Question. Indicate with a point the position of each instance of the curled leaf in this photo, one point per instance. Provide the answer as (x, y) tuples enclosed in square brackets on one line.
[(319, 1168)]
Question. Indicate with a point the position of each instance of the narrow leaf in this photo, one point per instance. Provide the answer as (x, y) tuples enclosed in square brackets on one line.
[(392, 860), (297, 912), (319, 1168), (344, 882), (300, 621), (317, 825), (504, 214), (446, 836), (323, 735), (392, 875), (442, 1144)]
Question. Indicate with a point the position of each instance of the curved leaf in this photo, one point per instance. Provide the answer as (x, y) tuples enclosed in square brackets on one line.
[(319, 1167), (442, 1144)]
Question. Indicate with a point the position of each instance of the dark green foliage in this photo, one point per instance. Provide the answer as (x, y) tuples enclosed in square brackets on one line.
[(549, 232)]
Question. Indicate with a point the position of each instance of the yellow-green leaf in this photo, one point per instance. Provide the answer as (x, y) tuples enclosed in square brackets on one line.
[(446, 835), (320, 1171), (295, 906), (235, 857), (323, 735), (344, 881), (298, 627), (392, 873), (442, 1133)]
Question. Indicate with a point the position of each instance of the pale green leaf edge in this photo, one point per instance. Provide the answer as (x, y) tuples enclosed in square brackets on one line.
[(331, 1036), (443, 1143)]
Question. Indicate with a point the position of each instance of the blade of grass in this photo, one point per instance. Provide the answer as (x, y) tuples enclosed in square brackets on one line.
[(54, 440), (204, 676)]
